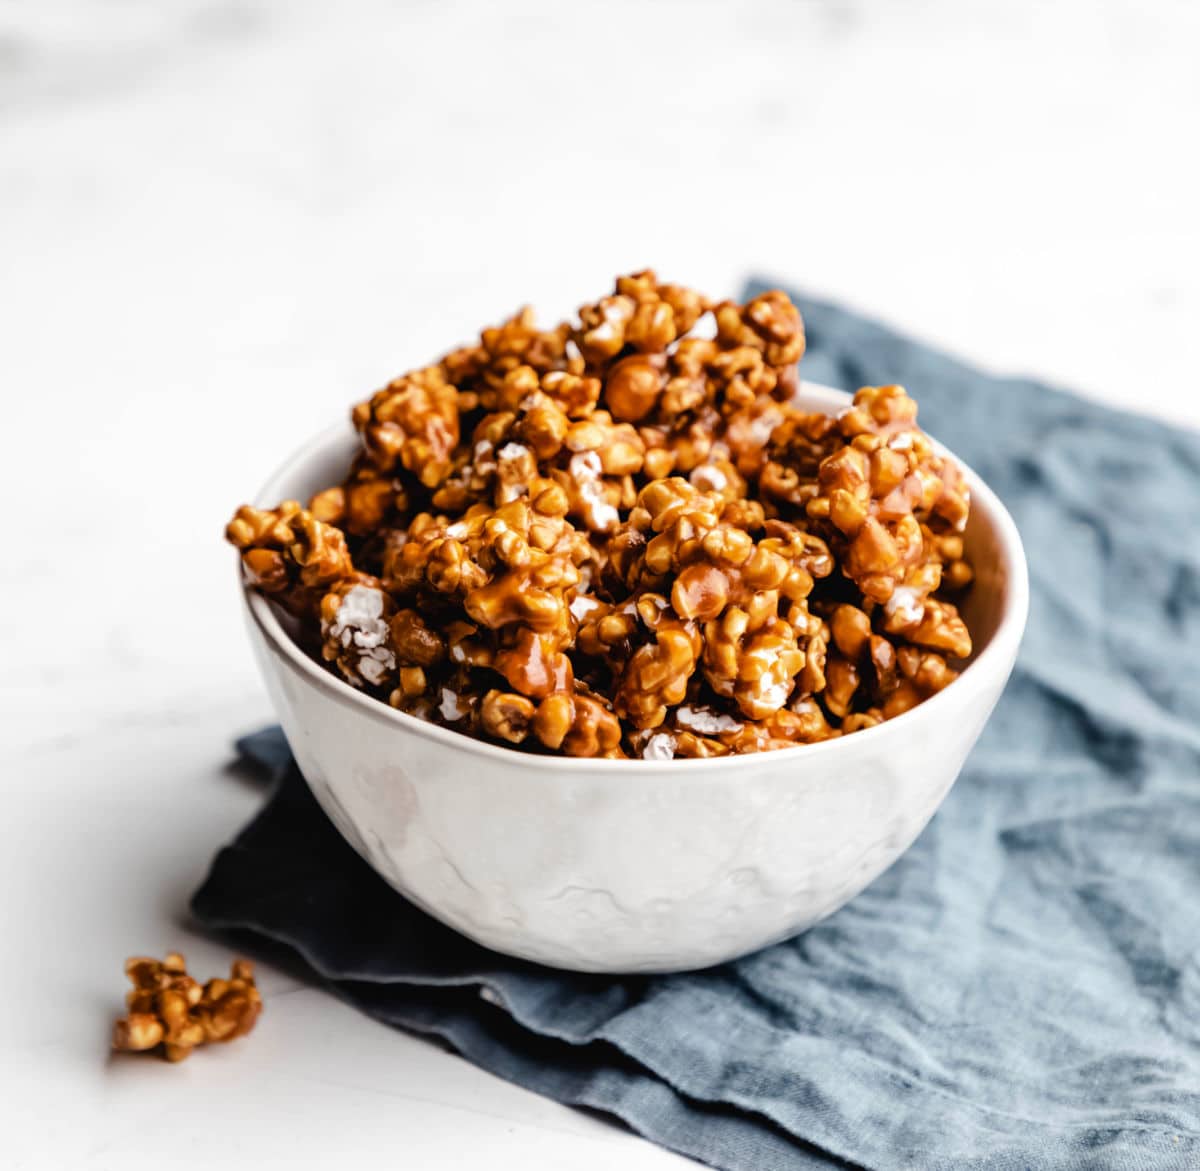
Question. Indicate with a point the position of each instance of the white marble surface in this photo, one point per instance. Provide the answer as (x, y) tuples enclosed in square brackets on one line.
[(221, 222)]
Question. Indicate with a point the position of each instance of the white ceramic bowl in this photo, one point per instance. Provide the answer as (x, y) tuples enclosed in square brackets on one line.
[(633, 866)]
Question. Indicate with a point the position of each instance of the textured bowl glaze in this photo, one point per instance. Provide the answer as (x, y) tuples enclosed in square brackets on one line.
[(633, 866)]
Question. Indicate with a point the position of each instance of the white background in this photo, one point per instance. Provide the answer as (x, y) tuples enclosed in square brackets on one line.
[(221, 223)]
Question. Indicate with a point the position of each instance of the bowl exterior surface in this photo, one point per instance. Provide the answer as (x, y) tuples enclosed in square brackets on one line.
[(647, 871)]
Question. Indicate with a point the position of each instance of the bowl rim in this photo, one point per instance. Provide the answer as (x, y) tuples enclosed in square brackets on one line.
[(998, 655)]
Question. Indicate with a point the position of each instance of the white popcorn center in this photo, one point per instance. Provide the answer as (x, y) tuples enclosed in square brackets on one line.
[(359, 627), (660, 746), (705, 721), (600, 516)]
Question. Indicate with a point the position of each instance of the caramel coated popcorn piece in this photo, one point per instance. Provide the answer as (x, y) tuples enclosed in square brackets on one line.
[(290, 554), (594, 729), (507, 716), (656, 675), (171, 1013), (412, 422), (640, 315), (368, 501), (480, 371), (770, 323), (620, 537)]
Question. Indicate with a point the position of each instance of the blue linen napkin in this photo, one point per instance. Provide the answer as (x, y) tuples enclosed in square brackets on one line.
[(1020, 991)]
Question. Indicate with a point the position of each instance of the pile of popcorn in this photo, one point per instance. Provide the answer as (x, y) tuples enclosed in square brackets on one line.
[(620, 537), (171, 1013)]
